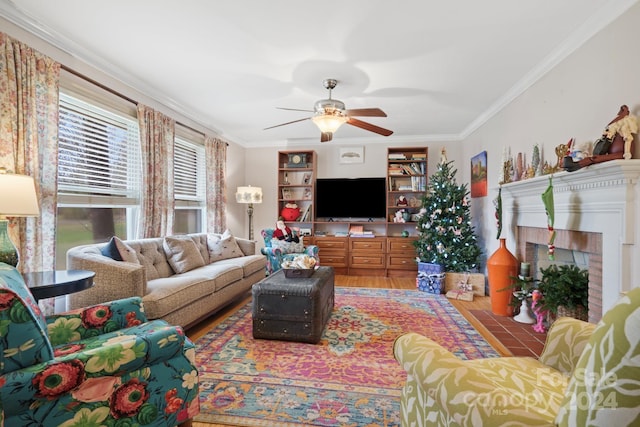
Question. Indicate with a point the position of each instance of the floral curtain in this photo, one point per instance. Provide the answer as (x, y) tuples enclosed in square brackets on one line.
[(29, 83), (157, 203), (216, 160)]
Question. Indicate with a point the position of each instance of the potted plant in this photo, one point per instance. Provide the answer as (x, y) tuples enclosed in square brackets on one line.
[(565, 291)]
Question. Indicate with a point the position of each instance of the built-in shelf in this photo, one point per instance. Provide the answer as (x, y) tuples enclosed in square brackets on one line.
[(386, 247)]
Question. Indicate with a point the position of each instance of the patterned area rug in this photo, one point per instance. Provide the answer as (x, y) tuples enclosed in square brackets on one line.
[(350, 378)]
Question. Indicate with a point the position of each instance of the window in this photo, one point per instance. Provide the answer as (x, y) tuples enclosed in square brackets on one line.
[(98, 152), (98, 175), (189, 186)]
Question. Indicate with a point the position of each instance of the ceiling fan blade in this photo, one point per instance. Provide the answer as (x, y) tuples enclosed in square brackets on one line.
[(294, 109), (326, 136), (288, 123), (368, 112), (369, 127)]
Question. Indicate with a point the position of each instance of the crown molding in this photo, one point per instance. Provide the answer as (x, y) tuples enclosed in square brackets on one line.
[(599, 20)]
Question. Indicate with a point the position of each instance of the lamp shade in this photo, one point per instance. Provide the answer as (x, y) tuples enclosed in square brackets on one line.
[(18, 195), (249, 194), (329, 122)]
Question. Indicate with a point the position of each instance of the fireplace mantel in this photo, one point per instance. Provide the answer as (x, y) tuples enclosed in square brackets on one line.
[(602, 198)]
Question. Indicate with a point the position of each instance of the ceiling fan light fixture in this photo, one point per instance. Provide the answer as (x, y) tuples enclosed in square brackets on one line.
[(329, 123), (330, 114)]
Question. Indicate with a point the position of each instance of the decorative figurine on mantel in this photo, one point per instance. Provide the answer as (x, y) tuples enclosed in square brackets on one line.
[(502, 162), (535, 160), (562, 151), (616, 142), (507, 171)]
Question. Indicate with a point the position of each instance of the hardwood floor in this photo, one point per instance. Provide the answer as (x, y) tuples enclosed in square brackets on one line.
[(479, 303)]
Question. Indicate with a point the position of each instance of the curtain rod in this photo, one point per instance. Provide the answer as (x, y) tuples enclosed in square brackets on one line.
[(115, 92)]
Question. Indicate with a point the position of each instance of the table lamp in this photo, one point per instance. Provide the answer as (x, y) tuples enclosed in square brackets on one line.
[(18, 199), (250, 195)]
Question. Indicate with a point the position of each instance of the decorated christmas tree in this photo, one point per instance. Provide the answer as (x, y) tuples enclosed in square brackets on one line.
[(446, 236)]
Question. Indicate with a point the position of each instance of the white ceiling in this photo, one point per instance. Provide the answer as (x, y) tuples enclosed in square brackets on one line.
[(439, 69)]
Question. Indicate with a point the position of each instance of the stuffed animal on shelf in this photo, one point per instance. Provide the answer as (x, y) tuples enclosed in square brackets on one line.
[(282, 232), (398, 216), (536, 306)]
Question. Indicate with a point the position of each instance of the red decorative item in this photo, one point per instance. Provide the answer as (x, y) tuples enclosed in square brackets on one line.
[(290, 212), (502, 266)]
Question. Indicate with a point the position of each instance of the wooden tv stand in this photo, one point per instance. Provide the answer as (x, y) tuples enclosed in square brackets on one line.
[(368, 256)]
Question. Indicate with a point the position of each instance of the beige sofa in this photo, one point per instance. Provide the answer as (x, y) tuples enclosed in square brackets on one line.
[(181, 279)]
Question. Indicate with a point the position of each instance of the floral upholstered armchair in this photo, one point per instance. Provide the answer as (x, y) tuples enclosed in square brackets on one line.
[(587, 375), (278, 251), (101, 365)]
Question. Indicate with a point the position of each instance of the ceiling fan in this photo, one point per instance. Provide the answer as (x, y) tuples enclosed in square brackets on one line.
[(331, 113)]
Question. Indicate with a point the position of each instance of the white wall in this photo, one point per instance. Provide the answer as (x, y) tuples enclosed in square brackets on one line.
[(577, 99)]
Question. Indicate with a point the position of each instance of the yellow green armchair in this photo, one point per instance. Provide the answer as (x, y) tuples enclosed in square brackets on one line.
[(586, 375)]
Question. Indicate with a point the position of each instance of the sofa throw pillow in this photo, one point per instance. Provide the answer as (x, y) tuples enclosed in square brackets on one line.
[(223, 246), (182, 254), (118, 250), (111, 250), (288, 247)]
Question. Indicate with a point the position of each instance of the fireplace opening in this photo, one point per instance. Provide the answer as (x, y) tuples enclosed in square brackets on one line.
[(561, 257), (583, 249)]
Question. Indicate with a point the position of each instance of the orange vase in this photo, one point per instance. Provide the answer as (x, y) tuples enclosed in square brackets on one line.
[(501, 266)]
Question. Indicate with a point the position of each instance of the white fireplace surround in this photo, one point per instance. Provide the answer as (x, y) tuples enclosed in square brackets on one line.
[(602, 198)]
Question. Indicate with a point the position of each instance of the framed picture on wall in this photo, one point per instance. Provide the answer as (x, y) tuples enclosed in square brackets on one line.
[(479, 175), (352, 154)]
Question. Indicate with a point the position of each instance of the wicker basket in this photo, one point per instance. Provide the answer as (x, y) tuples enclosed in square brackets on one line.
[(579, 312)]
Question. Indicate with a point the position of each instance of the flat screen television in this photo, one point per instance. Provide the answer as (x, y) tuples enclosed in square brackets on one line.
[(351, 198)]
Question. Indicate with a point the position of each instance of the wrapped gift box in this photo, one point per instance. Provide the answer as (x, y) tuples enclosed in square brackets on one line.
[(475, 282), (430, 278)]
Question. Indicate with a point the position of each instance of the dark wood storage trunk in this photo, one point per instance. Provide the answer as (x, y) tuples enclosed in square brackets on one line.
[(293, 309)]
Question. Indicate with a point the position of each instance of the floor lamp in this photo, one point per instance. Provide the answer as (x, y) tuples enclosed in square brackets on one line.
[(249, 195), (18, 199)]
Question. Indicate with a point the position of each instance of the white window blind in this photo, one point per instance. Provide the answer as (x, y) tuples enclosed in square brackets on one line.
[(99, 151), (188, 165)]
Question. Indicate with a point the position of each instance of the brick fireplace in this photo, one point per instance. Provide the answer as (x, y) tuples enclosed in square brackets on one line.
[(596, 212), (586, 242)]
